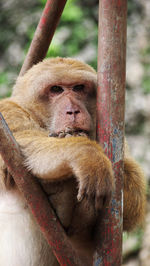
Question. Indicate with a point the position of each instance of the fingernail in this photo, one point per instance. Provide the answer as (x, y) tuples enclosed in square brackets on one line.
[(79, 197)]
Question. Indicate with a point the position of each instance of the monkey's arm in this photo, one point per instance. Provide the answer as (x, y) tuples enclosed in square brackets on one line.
[(134, 193), (55, 159)]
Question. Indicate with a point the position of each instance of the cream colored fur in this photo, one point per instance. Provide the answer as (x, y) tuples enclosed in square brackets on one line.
[(21, 242)]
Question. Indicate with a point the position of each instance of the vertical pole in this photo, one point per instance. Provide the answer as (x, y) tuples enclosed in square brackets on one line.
[(44, 33), (110, 122)]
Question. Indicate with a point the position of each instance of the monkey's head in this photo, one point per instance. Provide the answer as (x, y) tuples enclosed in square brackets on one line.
[(61, 94)]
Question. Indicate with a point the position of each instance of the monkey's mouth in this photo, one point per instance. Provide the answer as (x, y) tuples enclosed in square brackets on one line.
[(70, 132)]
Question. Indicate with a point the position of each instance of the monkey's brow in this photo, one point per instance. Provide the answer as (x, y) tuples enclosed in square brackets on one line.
[(66, 85)]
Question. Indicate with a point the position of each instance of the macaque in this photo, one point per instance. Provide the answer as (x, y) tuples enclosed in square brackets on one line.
[(52, 114)]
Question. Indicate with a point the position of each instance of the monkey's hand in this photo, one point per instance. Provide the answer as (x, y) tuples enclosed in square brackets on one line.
[(92, 169), (94, 174)]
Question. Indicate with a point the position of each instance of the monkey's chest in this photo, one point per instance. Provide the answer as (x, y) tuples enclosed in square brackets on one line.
[(76, 217)]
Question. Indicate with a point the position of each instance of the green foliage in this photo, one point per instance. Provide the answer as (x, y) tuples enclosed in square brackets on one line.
[(72, 13), (3, 78), (146, 84), (71, 16), (4, 82), (79, 32), (146, 78)]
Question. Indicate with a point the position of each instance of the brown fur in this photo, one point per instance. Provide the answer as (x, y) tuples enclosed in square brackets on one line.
[(32, 113)]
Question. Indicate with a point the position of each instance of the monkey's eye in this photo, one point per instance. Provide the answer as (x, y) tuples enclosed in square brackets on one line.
[(56, 89), (79, 88)]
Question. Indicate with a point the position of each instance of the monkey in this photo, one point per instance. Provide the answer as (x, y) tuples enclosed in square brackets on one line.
[(52, 114)]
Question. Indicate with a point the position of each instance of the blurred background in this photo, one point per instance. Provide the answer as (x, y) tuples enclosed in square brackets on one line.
[(76, 36)]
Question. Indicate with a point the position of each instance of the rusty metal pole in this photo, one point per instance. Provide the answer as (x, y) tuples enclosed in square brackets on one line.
[(37, 200), (44, 33), (110, 121)]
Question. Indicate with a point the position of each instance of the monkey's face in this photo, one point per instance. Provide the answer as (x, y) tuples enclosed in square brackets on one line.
[(62, 94), (71, 109)]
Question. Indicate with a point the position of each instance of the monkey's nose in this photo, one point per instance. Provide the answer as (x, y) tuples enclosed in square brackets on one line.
[(73, 112)]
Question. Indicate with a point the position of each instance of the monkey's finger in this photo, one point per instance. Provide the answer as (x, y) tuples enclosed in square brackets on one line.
[(53, 135), (81, 193)]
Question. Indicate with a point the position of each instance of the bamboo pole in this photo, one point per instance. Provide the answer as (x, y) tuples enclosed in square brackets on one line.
[(37, 200), (110, 122), (44, 33)]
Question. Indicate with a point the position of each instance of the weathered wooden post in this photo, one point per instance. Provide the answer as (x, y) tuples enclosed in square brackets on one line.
[(110, 121)]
